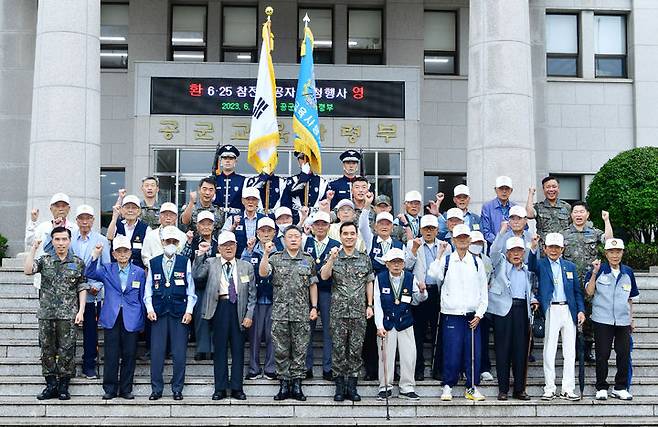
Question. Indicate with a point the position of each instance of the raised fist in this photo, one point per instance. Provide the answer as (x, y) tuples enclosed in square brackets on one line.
[(369, 197), (98, 250), (190, 236), (58, 222), (204, 247), (403, 219), (304, 212), (36, 243), (596, 265), (503, 226), (122, 193), (333, 253), (34, 214), (417, 242), (605, 216), (251, 242), (440, 197), (443, 246), (330, 194), (269, 247), (193, 197)]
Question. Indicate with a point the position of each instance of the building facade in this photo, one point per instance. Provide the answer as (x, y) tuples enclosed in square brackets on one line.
[(97, 95)]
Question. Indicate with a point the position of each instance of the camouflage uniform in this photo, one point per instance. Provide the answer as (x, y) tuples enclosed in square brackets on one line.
[(552, 219), (351, 274), (61, 281), (150, 215), (219, 217), (580, 247), (291, 278)]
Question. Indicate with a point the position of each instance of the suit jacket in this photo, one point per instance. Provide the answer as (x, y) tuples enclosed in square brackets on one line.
[(131, 300), (210, 269), (500, 291), (544, 273)]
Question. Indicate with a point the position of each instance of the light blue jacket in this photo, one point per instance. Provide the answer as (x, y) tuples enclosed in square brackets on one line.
[(500, 291)]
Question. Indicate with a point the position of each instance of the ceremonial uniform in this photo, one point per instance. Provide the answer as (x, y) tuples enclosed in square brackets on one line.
[(150, 214), (552, 219), (305, 189), (291, 278), (342, 187), (61, 281), (228, 193), (270, 198)]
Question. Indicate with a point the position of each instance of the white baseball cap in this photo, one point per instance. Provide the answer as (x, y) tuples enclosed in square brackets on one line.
[(518, 211), (614, 244), (282, 210), (60, 197), (344, 202), (413, 196), (121, 241), (169, 207), (393, 253), (461, 189), (504, 181), (205, 215), (514, 242), (321, 216), (476, 236), (265, 221), (170, 232), (384, 216), (251, 192), (429, 221), (455, 213), (554, 239), (84, 209), (225, 237), (460, 230), (130, 199)]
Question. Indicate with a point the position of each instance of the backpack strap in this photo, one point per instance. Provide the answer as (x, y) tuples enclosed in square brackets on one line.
[(445, 268)]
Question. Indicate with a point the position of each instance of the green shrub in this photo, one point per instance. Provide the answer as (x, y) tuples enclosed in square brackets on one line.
[(627, 187), (3, 247)]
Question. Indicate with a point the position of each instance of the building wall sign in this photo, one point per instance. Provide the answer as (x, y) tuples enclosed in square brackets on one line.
[(235, 97)]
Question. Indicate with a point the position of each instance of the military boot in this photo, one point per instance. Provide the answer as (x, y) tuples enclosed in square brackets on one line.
[(352, 394), (64, 388), (50, 392), (284, 390), (339, 396), (296, 392)]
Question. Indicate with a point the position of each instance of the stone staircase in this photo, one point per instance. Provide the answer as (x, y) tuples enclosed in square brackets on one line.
[(21, 380)]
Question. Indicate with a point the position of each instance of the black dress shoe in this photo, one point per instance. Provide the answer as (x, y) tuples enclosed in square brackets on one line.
[(521, 396), (219, 395), (199, 356), (436, 376), (109, 396), (178, 395), (309, 374), (328, 376), (127, 396), (370, 377), (251, 376), (419, 376), (155, 396), (502, 395), (238, 395)]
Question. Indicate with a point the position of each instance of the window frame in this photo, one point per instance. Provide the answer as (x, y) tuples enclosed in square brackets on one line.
[(454, 54), (330, 50), (577, 55), (236, 49), (367, 52), (115, 46), (173, 48), (581, 187), (623, 57)]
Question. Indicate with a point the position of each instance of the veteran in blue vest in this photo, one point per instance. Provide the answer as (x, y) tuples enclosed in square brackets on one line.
[(169, 298), (244, 225), (229, 305), (125, 221), (612, 288), (395, 291), (510, 295), (122, 315)]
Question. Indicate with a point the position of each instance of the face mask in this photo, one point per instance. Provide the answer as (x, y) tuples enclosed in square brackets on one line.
[(475, 249), (169, 250)]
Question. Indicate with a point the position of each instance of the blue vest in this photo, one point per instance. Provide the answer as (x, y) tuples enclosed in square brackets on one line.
[(278, 243), (170, 299), (235, 183), (263, 284), (396, 316), (376, 251), (309, 248), (138, 237), (241, 232)]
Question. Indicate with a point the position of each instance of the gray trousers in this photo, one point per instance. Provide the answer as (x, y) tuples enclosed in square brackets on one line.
[(261, 329)]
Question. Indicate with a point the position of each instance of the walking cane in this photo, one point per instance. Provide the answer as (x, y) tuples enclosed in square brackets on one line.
[(383, 347), (527, 356), (436, 341), (473, 359)]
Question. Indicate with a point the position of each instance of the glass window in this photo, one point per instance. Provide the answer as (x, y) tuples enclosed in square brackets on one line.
[(188, 33), (239, 34), (442, 183), (322, 26), (562, 45), (364, 41), (610, 45), (114, 35), (165, 161), (570, 187), (440, 42), (111, 181)]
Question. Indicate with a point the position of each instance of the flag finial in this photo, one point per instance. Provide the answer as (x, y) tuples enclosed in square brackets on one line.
[(306, 20), (269, 11)]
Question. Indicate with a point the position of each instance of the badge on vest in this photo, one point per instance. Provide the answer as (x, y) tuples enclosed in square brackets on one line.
[(386, 291), (604, 280), (244, 279), (137, 245), (406, 299), (476, 227), (157, 276), (254, 261), (179, 282), (157, 286), (179, 274), (569, 275), (626, 287), (239, 227), (136, 284), (309, 250), (236, 188), (376, 251)]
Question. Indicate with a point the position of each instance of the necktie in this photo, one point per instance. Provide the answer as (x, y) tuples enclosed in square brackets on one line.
[(232, 294)]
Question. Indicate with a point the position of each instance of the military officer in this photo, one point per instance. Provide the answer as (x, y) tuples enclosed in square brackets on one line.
[(342, 187), (552, 214), (201, 200), (228, 183), (351, 306), (62, 301), (294, 283), (149, 204), (581, 242), (306, 188)]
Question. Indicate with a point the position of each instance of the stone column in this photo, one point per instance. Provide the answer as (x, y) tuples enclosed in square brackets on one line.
[(644, 51), (65, 134), (500, 98)]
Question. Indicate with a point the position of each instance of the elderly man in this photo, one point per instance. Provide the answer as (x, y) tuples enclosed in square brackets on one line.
[(495, 211), (551, 214), (82, 244), (461, 198), (454, 216), (413, 210), (61, 307), (345, 213), (232, 285), (244, 225), (515, 227), (60, 207), (152, 246), (130, 226)]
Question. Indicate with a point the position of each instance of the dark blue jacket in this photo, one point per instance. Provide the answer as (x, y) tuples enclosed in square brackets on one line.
[(396, 316), (376, 251), (170, 299), (264, 290), (241, 233), (234, 186), (342, 188)]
